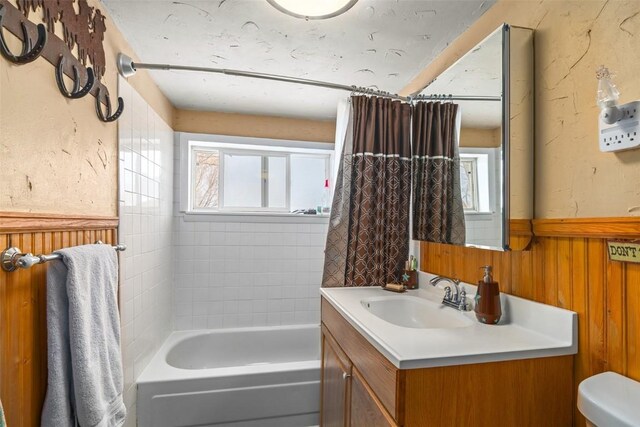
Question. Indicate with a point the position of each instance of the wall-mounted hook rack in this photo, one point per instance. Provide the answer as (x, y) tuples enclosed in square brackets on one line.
[(83, 27)]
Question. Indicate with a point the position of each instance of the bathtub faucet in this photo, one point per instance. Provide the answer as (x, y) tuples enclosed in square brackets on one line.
[(457, 300)]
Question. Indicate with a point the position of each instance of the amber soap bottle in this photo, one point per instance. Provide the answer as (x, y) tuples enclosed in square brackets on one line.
[(488, 309)]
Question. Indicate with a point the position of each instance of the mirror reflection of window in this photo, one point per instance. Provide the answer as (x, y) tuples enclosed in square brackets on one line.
[(468, 184)]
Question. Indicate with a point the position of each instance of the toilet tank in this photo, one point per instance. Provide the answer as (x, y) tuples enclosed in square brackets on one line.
[(610, 400)]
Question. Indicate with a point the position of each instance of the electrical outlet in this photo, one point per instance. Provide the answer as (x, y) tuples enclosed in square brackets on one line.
[(624, 134)]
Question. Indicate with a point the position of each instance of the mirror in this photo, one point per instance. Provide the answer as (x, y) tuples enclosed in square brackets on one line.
[(493, 86)]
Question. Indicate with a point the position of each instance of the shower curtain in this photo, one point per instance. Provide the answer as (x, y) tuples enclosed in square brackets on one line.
[(368, 239), (438, 214)]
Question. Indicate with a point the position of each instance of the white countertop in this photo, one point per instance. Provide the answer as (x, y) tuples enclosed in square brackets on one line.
[(527, 330)]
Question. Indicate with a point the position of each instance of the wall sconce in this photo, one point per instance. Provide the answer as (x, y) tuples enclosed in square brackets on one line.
[(619, 125)]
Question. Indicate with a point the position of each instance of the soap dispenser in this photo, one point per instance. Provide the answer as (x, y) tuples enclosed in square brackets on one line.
[(487, 299)]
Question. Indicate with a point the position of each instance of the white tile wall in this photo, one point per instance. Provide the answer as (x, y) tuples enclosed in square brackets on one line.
[(235, 272), (146, 199), (486, 229)]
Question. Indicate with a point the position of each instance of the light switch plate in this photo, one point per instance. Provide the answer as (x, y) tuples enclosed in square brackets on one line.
[(623, 134)]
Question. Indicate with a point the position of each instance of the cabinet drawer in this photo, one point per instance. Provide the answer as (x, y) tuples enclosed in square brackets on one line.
[(376, 370)]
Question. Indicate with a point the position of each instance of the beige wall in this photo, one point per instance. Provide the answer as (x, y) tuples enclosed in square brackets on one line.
[(254, 126), (480, 138), (572, 38), (56, 156)]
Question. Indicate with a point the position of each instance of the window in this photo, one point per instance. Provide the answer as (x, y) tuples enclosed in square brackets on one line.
[(469, 183), (476, 180), (236, 177)]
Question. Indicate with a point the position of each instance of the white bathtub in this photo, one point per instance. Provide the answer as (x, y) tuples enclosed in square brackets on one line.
[(246, 377)]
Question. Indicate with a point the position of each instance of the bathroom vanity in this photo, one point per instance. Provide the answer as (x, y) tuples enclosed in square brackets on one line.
[(406, 360)]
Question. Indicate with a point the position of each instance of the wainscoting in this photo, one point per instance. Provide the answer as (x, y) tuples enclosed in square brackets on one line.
[(23, 328), (567, 265)]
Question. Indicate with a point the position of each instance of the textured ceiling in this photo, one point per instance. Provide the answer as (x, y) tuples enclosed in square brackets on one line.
[(378, 43), (478, 73)]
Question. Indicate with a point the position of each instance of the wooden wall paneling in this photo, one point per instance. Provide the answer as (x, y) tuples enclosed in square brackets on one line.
[(549, 257), (526, 282), (539, 290), (580, 298), (626, 228), (567, 265), (520, 234), (596, 304), (615, 315), (501, 262), (11, 222), (564, 267), (632, 300), (23, 327)]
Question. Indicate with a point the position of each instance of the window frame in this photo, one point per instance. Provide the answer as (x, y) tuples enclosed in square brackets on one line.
[(492, 177), (188, 143), (473, 182)]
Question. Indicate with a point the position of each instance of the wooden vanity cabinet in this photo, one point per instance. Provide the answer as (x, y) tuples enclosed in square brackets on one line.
[(365, 410), (347, 400), (361, 388), (336, 372)]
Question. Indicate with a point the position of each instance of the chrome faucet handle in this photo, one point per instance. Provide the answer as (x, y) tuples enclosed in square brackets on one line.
[(447, 293), (462, 304)]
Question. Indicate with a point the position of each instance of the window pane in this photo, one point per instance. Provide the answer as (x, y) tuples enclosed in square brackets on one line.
[(206, 179), (242, 181), (308, 175), (468, 183), (277, 182)]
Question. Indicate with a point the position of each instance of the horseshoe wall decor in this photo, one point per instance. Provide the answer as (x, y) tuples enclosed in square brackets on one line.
[(78, 53)]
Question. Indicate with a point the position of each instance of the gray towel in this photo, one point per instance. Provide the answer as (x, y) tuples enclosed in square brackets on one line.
[(85, 369)]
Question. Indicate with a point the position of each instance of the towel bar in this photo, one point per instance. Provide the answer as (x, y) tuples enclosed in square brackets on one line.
[(13, 258)]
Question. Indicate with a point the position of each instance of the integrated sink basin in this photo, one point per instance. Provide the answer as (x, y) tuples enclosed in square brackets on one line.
[(414, 312), (414, 330)]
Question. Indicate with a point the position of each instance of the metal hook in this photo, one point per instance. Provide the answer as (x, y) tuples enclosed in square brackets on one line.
[(28, 54), (108, 117), (77, 91)]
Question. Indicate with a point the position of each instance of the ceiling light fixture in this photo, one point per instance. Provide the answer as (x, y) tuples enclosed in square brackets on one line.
[(313, 9)]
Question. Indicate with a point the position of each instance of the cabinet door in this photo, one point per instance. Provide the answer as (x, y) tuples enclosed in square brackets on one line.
[(366, 410), (336, 371)]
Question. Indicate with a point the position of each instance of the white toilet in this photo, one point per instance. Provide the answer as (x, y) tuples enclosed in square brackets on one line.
[(610, 400)]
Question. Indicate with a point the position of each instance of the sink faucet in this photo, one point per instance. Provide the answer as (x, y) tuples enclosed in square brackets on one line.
[(457, 300)]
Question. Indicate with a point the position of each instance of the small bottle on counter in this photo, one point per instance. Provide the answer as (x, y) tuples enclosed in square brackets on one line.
[(488, 309), (410, 273)]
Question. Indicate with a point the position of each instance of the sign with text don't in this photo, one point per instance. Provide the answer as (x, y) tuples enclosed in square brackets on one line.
[(624, 251)]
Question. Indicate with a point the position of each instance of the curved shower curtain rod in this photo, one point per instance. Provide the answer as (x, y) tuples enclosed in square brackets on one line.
[(128, 68)]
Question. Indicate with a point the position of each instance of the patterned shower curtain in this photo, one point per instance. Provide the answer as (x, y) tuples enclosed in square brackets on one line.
[(438, 214), (368, 239)]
